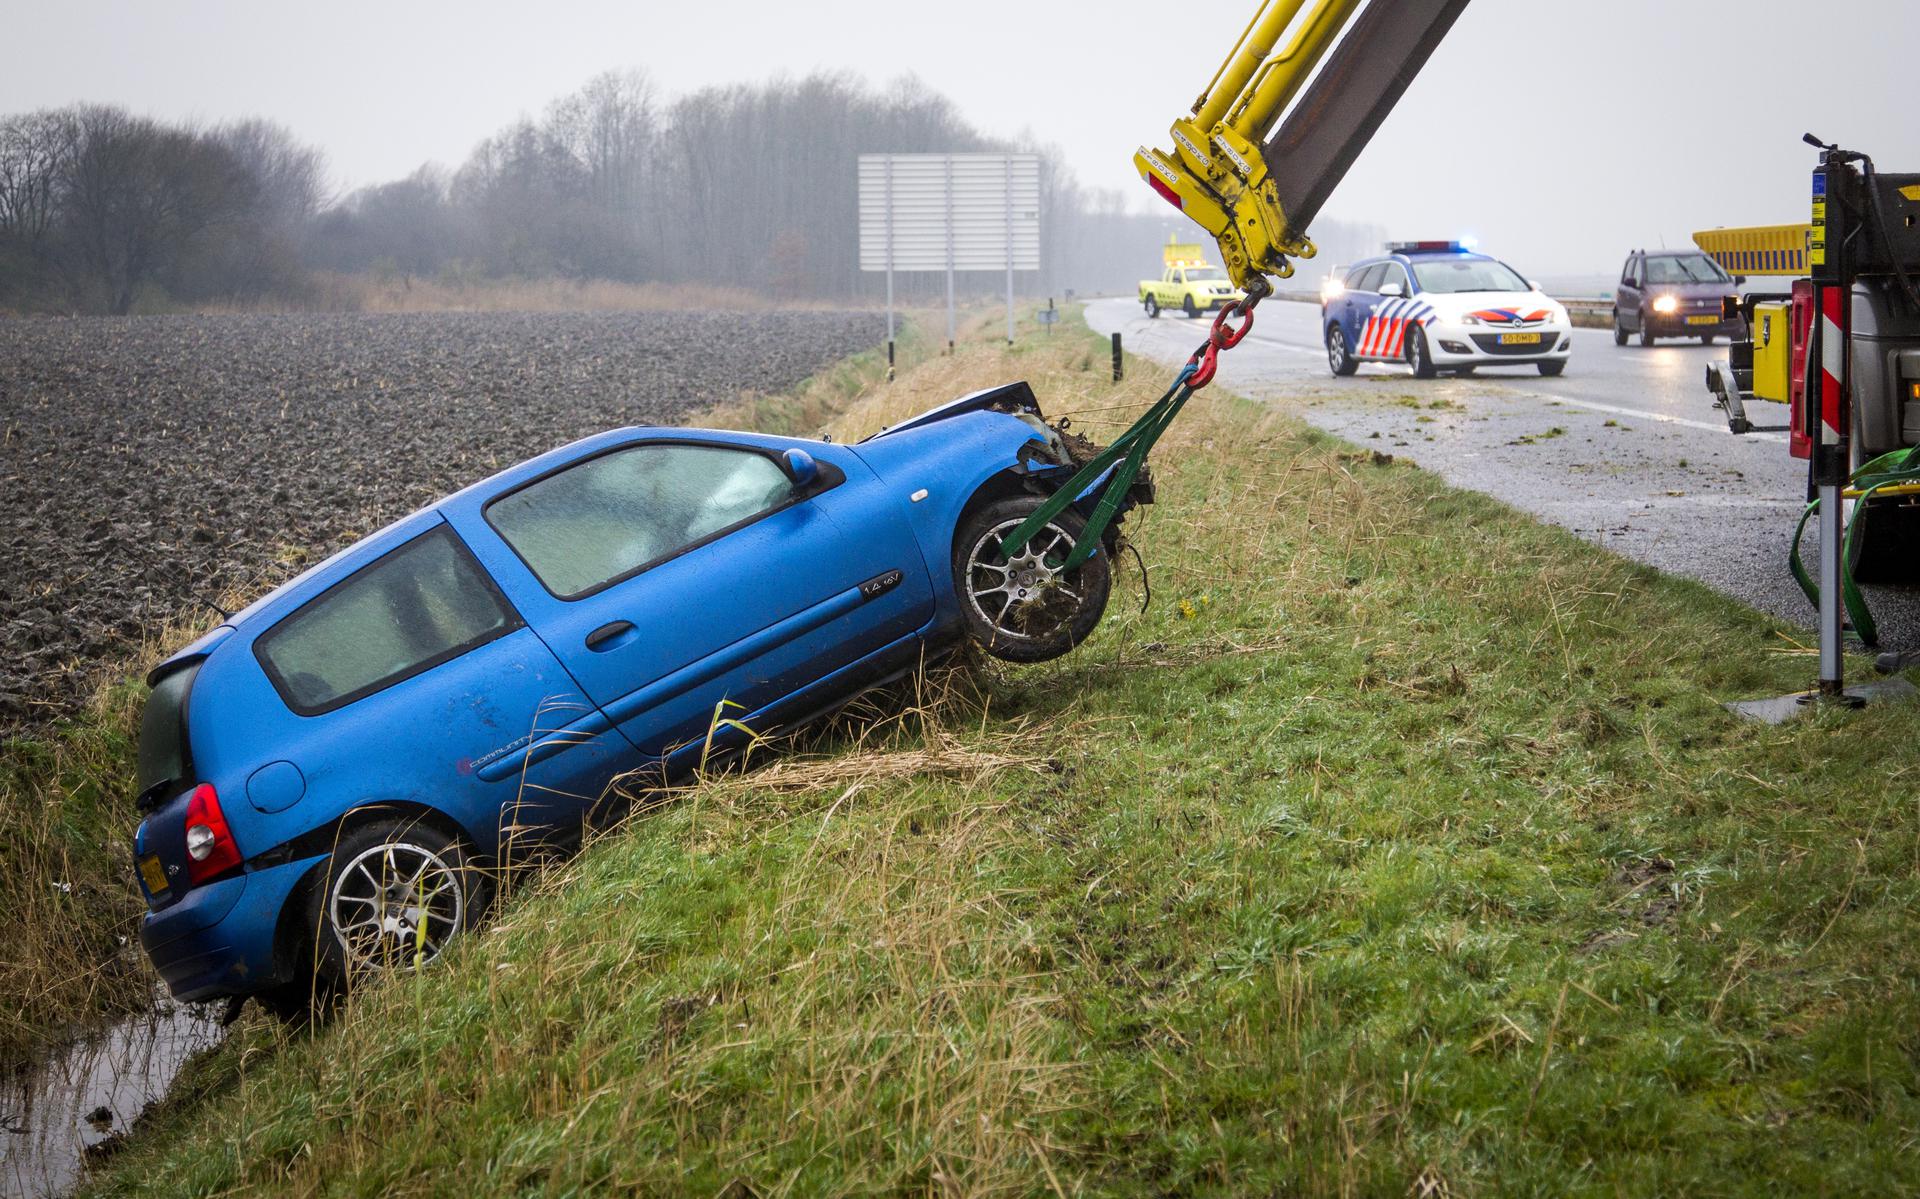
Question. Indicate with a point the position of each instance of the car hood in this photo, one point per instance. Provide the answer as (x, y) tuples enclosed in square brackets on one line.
[(1497, 307)]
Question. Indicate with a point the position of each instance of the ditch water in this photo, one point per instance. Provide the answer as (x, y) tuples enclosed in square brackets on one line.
[(74, 1102)]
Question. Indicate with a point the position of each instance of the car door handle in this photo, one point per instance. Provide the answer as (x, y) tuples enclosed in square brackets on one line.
[(610, 635)]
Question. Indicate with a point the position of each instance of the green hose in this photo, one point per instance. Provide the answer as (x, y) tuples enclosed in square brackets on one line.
[(1890, 469)]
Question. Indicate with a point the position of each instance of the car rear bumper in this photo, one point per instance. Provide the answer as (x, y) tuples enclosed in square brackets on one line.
[(219, 938), (1677, 326)]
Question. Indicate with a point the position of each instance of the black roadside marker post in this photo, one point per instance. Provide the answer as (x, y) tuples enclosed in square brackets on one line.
[(889, 359), (1117, 372)]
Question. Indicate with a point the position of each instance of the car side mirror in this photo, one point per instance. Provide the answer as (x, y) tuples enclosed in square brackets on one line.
[(1392, 289), (1535, 285), (800, 467), (1739, 279)]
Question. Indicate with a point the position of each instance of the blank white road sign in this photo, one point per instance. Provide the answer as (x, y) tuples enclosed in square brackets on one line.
[(935, 212)]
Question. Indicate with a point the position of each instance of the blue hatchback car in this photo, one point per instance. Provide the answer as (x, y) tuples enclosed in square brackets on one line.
[(329, 776)]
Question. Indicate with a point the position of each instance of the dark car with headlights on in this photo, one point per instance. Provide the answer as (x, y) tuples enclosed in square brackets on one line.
[(1672, 293)]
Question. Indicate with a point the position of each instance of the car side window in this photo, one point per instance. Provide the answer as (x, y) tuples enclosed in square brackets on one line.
[(1632, 276), (1394, 273), (614, 515), (422, 604), (1375, 275)]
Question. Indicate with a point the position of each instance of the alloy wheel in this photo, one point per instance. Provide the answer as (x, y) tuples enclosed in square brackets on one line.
[(1026, 596), (395, 905)]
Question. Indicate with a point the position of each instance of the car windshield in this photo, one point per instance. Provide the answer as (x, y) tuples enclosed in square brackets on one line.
[(611, 516), (1447, 276), (1684, 268), (1205, 274)]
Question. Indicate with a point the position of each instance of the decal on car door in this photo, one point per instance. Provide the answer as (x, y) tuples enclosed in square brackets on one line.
[(1384, 334)]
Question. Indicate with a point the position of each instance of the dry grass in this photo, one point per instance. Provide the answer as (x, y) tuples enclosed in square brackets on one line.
[(66, 805)]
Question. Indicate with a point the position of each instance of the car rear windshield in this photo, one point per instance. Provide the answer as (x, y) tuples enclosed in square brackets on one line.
[(1684, 268), (163, 761), (613, 516), (1472, 274), (420, 605)]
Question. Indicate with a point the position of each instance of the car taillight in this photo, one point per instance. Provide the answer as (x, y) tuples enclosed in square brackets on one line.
[(211, 851)]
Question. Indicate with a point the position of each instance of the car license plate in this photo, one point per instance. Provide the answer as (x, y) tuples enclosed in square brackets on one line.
[(152, 874), (1519, 339), (1703, 320)]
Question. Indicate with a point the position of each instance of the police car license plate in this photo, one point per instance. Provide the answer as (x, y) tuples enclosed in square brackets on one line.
[(1703, 320), (153, 875), (1519, 339)]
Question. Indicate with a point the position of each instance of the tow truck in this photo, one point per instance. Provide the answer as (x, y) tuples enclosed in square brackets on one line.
[(1189, 283), (1852, 393)]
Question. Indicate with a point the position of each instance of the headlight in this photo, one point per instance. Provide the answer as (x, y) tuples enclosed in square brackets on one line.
[(1332, 288), (1666, 305), (1471, 320)]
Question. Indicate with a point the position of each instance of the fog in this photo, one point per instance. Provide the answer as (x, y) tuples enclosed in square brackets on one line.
[(1559, 135)]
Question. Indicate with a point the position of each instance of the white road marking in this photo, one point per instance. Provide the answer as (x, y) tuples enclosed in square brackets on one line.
[(1643, 414)]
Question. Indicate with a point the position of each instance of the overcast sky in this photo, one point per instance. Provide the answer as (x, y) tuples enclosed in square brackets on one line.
[(1559, 132)]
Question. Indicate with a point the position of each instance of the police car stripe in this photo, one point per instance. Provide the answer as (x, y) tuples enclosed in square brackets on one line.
[(1365, 349), (1398, 333), (1383, 327), (1414, 315)]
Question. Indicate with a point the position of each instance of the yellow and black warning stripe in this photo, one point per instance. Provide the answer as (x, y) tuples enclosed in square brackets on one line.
[(1761, 250)]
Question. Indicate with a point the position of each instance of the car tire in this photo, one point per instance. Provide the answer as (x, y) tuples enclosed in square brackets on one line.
[(1619, 330), (1189, 307), (1340, 359), (1419, 357), (1153, 308), (1553, 370), (366, 912), (1707, 340), (1055, 612), (1646, 332)]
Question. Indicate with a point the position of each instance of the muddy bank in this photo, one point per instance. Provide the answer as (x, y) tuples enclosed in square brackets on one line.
[(76, 1104)]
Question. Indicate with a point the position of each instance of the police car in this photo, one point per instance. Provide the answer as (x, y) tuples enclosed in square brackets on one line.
[(1437, 306)]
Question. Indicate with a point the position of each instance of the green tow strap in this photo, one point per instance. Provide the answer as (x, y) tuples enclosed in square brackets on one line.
[(1898, 467), (1130, 450)]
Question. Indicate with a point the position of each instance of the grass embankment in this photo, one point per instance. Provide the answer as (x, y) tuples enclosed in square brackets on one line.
[(1402, 846)]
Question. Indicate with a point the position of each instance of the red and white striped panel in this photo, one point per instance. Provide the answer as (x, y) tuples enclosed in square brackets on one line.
[(1833, 342)]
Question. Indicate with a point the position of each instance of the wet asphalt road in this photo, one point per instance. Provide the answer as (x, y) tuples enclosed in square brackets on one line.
[(1625, 449)]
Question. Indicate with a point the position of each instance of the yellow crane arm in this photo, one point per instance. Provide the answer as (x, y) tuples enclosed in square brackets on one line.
[(1256, 187)]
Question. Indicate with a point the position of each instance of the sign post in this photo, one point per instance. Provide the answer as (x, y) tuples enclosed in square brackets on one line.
[(951, 213)]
